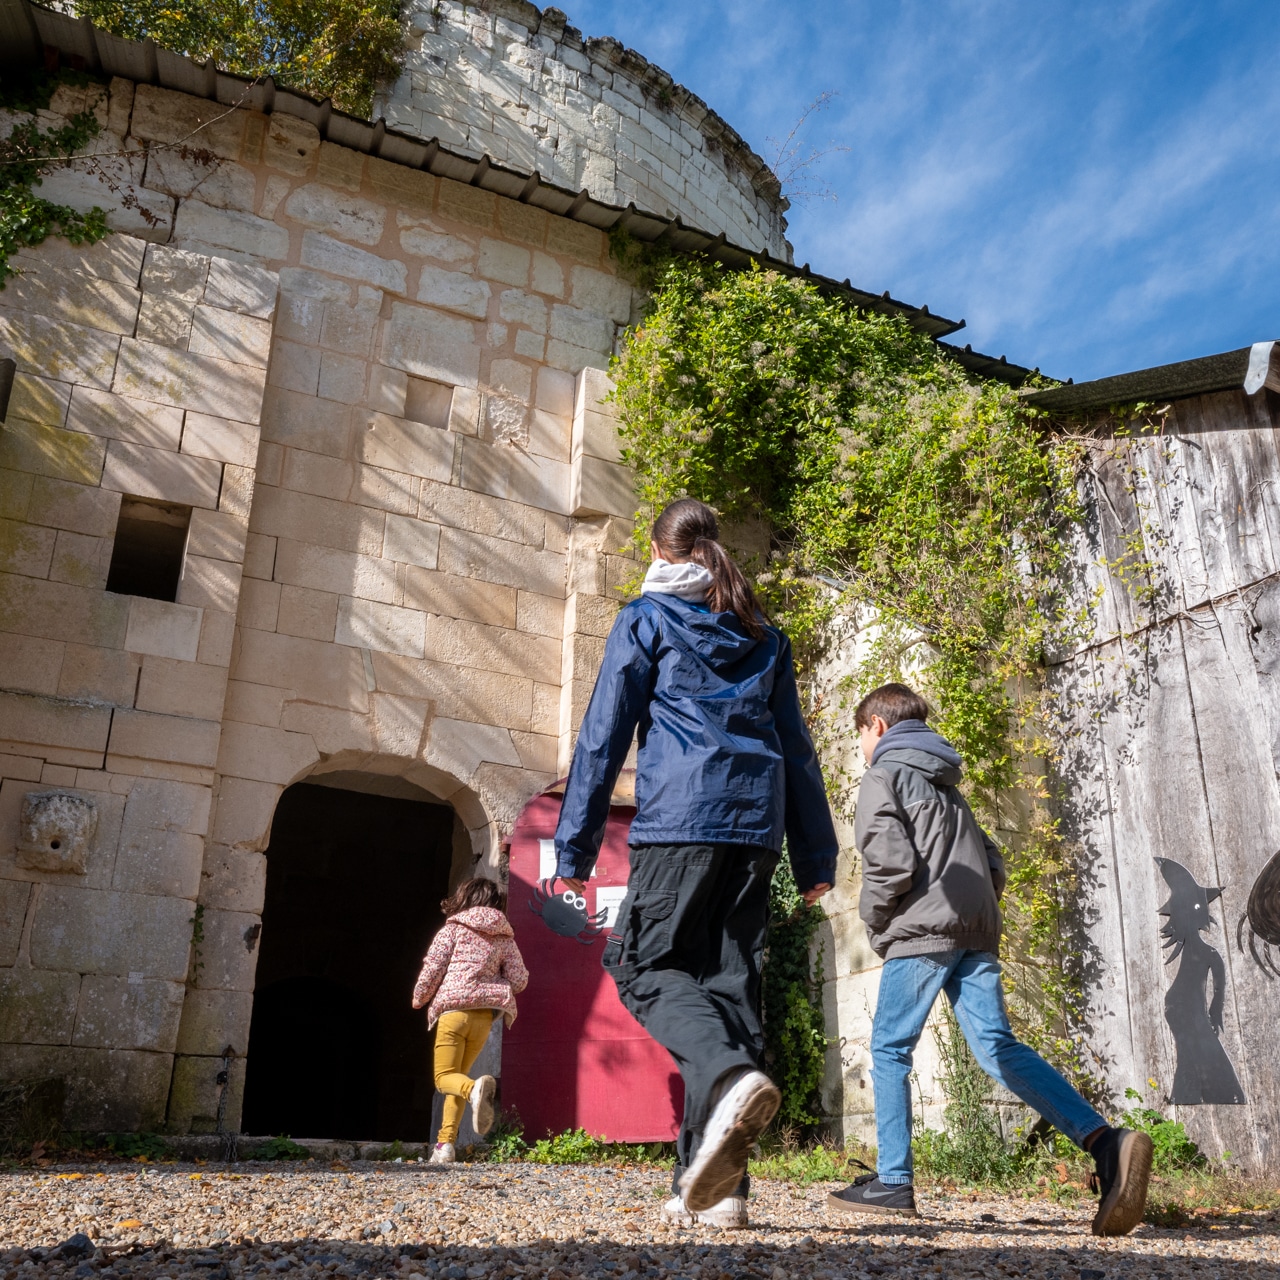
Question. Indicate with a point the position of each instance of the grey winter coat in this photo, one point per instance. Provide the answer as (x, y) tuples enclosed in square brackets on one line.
[(931, 877)]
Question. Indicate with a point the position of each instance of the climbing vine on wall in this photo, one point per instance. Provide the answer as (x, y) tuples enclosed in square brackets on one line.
[(26, 154), (864, 475)]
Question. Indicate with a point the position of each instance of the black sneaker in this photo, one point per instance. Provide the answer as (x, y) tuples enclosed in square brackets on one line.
[(868, 1194), (1123, 1160)]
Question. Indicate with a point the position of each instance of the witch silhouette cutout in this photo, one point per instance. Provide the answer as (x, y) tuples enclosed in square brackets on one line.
[(1203, 1073)]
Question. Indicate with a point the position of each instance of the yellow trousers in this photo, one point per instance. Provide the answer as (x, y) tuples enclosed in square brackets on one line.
[(460, 1035)]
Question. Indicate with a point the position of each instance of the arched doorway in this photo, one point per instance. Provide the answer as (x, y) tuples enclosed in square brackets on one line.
[(354, 882)]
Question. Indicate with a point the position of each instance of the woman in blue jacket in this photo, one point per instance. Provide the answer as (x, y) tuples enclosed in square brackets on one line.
[(725, 769)]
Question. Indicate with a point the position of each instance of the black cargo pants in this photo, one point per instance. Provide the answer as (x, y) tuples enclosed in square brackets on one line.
[(686, 953)]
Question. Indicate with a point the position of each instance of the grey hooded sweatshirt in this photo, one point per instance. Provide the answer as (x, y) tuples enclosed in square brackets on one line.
[(931, 877)]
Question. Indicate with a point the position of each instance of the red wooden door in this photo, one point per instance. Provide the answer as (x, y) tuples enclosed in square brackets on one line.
[(575, 1058)]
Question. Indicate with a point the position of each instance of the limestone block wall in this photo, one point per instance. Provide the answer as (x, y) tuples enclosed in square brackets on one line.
[(504, 79), (399, 564), (141, 370)]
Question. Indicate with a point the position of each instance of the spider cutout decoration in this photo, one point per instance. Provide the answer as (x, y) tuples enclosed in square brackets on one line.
[(566, 913), (1262, 915)]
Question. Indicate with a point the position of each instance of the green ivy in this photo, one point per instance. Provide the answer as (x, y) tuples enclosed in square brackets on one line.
[(29, 152), (862, 474), (795, 1033)]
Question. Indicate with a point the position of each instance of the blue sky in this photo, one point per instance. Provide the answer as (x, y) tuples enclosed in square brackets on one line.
[(1094, 187)]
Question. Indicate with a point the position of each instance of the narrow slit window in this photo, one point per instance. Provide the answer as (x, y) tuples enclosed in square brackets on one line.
[(429, 402), (151, 540)]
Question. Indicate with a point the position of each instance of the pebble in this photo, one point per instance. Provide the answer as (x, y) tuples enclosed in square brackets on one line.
[(385, 1221)]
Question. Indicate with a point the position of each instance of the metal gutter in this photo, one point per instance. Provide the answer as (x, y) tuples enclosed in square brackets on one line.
[(85, 47)]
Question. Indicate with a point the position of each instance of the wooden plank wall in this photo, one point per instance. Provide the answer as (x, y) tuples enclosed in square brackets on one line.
[(1168, 716)]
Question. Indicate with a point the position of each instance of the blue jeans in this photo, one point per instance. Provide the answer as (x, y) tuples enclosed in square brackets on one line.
[(971, 979)]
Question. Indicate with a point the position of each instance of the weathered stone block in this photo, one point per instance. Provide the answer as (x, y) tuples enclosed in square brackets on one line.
[(165, 321), (51, 451), (56, 830), (600, 293), (144, 735), (164, 628), (459, 597), (349, 217), (202, 383), (388, 628), (387, 390), (155, 860), (73, 298), (290, 418), (158, 473), (233, 879), (459, 747), (128, 1013), (237, 286), (342, 378), (108, 1091), (26, 548), (294, 368), (195, 1093), (340, 167), (15, 895), (29, 668), (113, 185), (210, 584), (426, 239), (42, 722), (229, 335), (217, 535), (230, 950), (327, 254), (291, 145), (268, 755), (103, 675), (39, 400), (81, 508), (429, 344), (236, 495), (506, 472), (60, 611), (317, 521), (469, 644), (174, 274), (401, 445), (220, 183), (412, 541), (479, 513), (517, 307), (308, 613), (213, 1019), (182, 688), (37, 1006), (602, 488), (244, 812), (104, 932), (64, 352), (103, 413), (117, 257), (342, 572), (454, 291), (161, 115), (201, 224), (216, 632), (542, 615)]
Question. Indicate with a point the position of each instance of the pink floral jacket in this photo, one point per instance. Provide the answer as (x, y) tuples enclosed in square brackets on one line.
[(472, 963)]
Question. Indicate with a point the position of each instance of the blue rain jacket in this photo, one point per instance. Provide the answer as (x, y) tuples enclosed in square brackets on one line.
[(724, 753)]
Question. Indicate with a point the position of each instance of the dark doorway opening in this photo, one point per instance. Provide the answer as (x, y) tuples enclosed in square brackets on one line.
[(354, 884)]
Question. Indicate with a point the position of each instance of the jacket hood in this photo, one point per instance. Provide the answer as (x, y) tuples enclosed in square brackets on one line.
[(687, 581), (485, 920), (717, 638), (913, 743)]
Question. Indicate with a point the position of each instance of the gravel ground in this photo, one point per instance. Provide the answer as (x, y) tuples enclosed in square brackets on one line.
[(468, 1222)]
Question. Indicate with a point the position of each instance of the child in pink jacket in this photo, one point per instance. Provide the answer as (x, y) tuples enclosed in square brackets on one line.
[(472, 971)]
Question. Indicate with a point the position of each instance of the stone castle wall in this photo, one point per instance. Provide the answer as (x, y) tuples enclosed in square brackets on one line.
[(503, 79), (371, 584)]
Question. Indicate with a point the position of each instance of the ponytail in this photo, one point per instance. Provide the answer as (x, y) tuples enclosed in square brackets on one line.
[(688, 530)]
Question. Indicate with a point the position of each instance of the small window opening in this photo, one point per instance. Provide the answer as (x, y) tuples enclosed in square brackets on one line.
[(429, 402), (151, 540)]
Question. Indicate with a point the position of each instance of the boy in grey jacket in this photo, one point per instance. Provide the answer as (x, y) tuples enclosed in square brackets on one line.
[(931, 886)]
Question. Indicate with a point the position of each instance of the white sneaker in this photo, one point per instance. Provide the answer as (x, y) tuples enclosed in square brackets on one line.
[(482, 1104), (730, 1212), (443, 1153), (739, 1118)]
